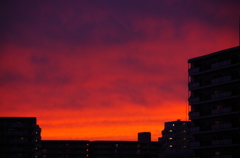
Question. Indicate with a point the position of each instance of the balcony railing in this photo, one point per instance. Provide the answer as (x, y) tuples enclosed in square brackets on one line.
[(222, 95), (195, 144), (193, 70), (194, 99), (221, 126), (222, 142), (223, 110), (220, 64), (194, 114), (194, 85), (221, 79), (194, 129)]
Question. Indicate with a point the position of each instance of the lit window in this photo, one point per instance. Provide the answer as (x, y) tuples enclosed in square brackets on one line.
[(173, 125), (86, 149), (170, 146), (87, 144), (87, 155), (170, 138), (116, 145), (170, 130)]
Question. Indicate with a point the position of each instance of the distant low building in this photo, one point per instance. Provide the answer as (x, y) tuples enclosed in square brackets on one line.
[(65, 149), (176, 140), (99, 149), (124, 149), (19, 137)]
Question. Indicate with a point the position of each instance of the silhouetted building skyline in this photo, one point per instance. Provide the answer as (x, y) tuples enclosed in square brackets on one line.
[(214, 87)]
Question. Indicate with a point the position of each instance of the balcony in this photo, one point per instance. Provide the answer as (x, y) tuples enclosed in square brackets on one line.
[(195, 144), (221, 95), (222, 110), (222, 142), (193, 70), (194, 114), (220, 64), (221, 79), (194, 85), (222, 126), (194, 99), (194, 129)]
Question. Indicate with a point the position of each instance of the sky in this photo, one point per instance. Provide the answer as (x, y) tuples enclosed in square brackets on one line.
[(106, 69)]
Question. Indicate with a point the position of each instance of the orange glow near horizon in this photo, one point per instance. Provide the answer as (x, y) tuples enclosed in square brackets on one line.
[(105, 123)]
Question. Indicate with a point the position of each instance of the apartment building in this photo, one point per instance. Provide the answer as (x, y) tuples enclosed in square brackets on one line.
[(214, 99), (176, 140), (124, 149), (65, 149), (99, 149), (19, 137)]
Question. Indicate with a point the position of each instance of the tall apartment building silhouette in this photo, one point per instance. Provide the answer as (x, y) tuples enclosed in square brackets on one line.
[(214, 98), (20, 137)]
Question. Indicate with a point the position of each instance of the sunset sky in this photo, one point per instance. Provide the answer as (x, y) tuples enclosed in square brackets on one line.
[(106, 69)]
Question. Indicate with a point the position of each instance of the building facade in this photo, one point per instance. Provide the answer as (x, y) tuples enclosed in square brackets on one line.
[(176, 140), (99, 149), (65, 149), (124, 149), (214, 98), (19, 137)]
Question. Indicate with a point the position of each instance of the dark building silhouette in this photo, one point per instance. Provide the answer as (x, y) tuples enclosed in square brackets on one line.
[(124, 149), (176, 140), (65, 149), (100, 149), (19, 137), (214, 98), (144, 137)]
